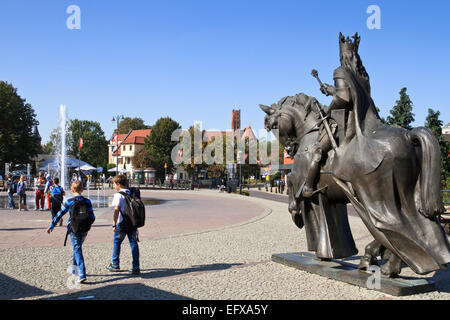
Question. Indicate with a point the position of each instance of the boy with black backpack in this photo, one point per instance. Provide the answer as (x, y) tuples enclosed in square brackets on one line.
[(11, 186), (129, 215), (80, 221)]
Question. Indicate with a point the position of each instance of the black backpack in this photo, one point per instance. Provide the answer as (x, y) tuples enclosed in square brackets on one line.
[(135, 192), (80, 218), (134, 213), (13, 187)]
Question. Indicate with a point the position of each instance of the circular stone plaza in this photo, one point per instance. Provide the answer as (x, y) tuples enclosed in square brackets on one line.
[(198, 244)]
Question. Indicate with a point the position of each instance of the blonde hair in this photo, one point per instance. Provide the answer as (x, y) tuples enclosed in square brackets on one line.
[(77, 186)]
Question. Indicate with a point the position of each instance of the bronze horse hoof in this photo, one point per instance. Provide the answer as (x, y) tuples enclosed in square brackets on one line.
[(366, 262)]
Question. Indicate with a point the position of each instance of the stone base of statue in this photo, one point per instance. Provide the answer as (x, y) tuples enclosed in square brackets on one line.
[(348, 272)]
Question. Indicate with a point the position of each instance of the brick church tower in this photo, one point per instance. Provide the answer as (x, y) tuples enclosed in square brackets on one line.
[(236, 120)]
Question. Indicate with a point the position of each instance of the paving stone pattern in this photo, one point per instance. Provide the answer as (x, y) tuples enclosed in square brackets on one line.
[(229, 259)]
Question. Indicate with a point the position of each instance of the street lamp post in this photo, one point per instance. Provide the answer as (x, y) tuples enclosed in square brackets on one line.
[(117, 118), (79, 156), (240, 171)]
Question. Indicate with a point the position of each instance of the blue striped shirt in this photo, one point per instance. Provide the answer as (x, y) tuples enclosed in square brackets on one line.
[(67, 206)]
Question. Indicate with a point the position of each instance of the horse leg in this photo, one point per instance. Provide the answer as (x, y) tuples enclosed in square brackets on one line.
[(392, 267), (313, 172), (372, 251)]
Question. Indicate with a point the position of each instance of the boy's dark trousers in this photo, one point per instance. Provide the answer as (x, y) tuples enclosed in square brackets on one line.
[(55, 205)]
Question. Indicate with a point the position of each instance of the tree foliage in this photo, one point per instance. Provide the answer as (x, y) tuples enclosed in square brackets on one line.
[(48, 148), (158, 147), (128, 124), (19, 136), (95, 145), (401, 113), (218, 170), (196, 165), (383, 120), (433, 123)]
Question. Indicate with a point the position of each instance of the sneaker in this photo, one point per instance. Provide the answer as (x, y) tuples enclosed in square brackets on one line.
[(135, 271), (82, 280), (112, 268), (37, 209)]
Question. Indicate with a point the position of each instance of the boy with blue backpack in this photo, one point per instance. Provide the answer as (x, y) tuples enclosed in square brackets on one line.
[(80, 221), (56, 198)]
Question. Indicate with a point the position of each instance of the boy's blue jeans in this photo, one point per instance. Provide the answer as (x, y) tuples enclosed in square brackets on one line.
[(119, 236), (11, 201), (78, 260)]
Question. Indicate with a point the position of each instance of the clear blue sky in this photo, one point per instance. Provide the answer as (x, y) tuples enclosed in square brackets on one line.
[(197, 60)]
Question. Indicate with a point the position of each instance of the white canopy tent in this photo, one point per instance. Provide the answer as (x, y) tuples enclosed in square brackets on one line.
[(86, 167), (120, 170)]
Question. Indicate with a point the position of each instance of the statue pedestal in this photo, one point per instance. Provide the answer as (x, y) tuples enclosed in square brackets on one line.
[(349, 273)]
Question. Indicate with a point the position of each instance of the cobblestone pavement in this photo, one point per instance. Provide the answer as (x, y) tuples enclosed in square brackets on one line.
[(231, 261)]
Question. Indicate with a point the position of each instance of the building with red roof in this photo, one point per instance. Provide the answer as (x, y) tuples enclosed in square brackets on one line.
[(129, 146)]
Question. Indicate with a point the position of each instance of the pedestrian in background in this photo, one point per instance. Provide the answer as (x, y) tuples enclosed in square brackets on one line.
[(48, 184), (56, 197), (21, 191), (11, 187), (40, 187)]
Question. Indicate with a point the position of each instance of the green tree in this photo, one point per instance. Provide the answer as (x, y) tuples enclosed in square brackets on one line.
[(433, 123), (19, 137), (48, 148), (383, 120), (95, 145), (401, 113), (158, 146), (128, 124)]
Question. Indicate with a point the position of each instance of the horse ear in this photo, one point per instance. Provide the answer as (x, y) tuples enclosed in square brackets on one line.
[(266, 109)]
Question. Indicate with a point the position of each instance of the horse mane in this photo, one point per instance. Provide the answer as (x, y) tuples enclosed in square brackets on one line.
[(301, 102)]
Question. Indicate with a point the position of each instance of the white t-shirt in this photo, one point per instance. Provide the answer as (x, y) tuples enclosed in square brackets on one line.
[(119, 201)]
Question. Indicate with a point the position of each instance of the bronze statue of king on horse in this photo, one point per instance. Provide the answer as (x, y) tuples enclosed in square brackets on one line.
[(345, 154)]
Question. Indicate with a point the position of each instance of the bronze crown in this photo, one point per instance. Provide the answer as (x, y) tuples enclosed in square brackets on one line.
[(346, 44)]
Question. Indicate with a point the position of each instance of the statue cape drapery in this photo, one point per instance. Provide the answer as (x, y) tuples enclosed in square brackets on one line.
[(368, 161)]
